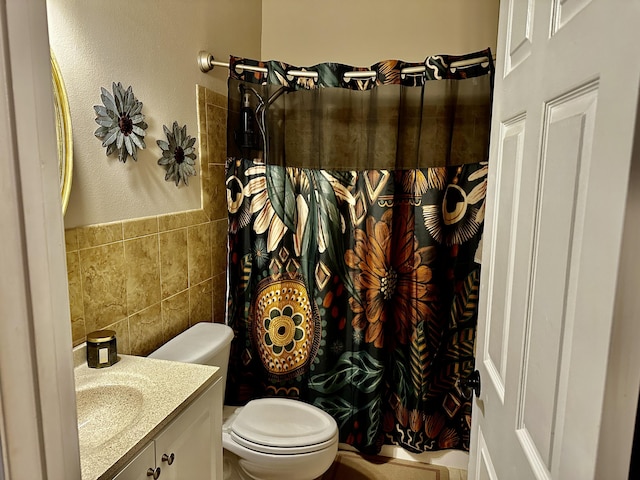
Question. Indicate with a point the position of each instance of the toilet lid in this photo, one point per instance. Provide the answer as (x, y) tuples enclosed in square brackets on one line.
[(281, 425)]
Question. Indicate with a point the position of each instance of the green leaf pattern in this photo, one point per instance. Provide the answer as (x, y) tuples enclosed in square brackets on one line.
[(356, 369)]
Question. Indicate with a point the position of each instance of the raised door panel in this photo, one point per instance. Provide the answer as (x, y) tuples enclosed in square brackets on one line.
[(191, 446), (519, 36), (484, 468), (508, 166), (550, 320), (138, 467), (564, 11)]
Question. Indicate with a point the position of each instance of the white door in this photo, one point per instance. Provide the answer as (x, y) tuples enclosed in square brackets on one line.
[(566, 95)]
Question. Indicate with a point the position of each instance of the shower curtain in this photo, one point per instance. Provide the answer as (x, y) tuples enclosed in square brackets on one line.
[(356, 208)]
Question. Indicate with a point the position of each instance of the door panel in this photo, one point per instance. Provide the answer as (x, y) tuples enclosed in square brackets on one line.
[(511, 141), (520, 31), (485, 464), (567, 133), (564, 11)]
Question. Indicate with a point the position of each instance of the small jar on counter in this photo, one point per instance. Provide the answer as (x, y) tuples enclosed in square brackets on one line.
[(101, 349)]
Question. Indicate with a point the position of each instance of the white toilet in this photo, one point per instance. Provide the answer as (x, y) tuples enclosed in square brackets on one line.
[(269, 438)]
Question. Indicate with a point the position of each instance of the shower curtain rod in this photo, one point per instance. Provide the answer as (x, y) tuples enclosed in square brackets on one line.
[(206, 62)]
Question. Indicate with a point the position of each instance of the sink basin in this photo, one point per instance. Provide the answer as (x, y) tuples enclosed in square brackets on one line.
[(108, 403), (105, 411)]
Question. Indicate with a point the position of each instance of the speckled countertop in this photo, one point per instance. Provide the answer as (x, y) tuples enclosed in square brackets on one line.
[(147, 394)]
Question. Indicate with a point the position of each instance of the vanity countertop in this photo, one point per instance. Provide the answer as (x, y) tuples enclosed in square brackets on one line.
[(121, 408)]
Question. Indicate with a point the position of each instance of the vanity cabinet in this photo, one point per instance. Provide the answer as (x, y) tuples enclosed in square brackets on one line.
[(189, 447)]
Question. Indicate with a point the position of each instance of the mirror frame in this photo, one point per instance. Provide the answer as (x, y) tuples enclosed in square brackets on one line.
[(63, 133)]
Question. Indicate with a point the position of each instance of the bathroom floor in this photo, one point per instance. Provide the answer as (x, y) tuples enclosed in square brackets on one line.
[(353, 466)]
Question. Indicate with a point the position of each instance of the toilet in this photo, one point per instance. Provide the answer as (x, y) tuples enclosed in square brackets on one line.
[(268, 438)]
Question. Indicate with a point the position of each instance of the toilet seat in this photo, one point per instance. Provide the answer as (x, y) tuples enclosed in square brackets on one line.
[(283, 426), (256, 447)]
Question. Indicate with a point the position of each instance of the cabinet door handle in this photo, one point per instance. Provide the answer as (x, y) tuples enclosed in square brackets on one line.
[(168, 458), (154, 473)]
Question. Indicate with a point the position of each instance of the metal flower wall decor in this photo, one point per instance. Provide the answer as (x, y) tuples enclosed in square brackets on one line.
[(122, 125), (178, 154)]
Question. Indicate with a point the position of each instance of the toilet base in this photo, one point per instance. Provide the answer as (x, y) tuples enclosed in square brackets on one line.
[(233, 470)]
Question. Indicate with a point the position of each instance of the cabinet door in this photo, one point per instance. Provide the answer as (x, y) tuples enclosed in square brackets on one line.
[(138, 467), (191, 446)]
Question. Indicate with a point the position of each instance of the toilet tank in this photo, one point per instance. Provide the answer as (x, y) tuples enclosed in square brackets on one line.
[(204, 343)]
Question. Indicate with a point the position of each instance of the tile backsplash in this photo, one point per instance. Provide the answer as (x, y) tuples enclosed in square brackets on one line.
[(151, 278)]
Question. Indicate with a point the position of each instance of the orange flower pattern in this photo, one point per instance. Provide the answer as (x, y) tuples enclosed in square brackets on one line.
[(391, 279)]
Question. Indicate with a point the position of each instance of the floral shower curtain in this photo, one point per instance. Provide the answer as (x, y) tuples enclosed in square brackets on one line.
[(356, 208)]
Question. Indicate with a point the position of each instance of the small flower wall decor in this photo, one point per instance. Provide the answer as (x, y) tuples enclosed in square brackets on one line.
[(178, 154), (122, 125)]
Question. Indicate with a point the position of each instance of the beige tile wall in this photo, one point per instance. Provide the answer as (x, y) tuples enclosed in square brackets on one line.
[(151, 278)]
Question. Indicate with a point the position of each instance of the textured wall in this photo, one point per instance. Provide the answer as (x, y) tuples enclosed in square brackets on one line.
[(151, 45), (151, 278), (362, 32)]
